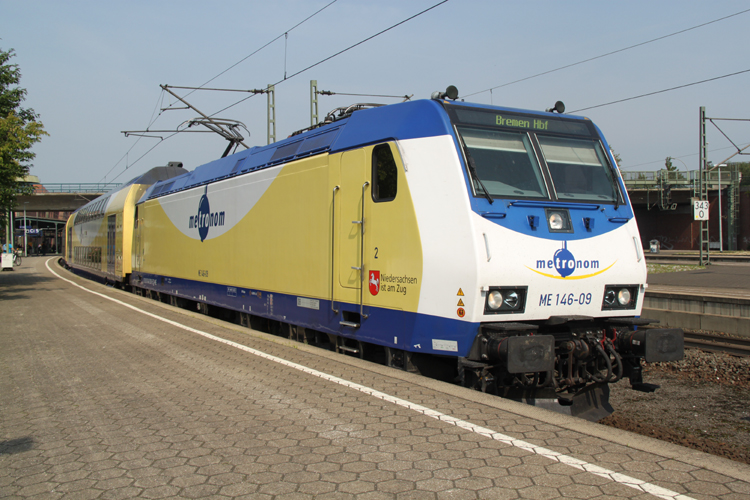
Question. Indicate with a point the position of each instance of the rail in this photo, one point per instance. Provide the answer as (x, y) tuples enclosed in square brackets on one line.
[(693, 258), (718, 343)]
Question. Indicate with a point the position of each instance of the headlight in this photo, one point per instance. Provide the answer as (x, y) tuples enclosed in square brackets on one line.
[(619, 297), (512, 300), (556, 221), (494, 300), (505, 300)]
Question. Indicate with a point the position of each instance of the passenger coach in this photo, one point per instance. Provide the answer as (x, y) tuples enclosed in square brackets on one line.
[(99, 235)]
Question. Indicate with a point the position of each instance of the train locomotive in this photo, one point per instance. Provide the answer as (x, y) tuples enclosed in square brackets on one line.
[(492, 246)]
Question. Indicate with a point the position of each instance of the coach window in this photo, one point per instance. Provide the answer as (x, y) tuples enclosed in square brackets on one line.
[(384, 174)]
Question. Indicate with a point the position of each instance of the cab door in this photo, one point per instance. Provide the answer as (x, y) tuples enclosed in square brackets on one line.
[(378, 257)]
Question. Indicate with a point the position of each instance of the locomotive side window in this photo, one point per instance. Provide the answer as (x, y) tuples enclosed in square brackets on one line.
[(505, 163), (579, 169), (384, 174)]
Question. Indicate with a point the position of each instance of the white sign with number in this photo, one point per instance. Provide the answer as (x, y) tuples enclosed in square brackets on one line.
[(700, 210)]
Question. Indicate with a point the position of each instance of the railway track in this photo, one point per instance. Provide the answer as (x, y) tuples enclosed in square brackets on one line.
[(718, 343), (694, 258)]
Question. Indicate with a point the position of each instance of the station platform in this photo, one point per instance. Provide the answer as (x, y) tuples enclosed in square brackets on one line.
[(109, 395), (714, 298)]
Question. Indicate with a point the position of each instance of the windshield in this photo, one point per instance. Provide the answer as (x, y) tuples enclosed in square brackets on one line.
[(505, 163), (534, 156), (578, 168)]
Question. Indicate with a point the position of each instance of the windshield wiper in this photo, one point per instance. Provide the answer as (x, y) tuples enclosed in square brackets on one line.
[(614, 194), (473, 171)]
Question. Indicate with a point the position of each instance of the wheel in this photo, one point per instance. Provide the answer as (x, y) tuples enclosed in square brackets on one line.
[(17, 260)]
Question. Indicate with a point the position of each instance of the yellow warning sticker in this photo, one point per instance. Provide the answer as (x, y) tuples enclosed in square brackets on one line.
[(460, 293), (460, 303)]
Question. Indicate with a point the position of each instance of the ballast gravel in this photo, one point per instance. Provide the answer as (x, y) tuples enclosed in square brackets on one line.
[(703, 402)]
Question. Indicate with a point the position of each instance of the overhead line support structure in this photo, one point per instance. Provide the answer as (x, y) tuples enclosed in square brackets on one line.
[(703, 179), (733, 200), (211, 123), (314, 93), (271, 91), (313, 102)]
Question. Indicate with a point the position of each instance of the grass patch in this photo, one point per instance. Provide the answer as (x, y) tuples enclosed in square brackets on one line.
[(671, 268)]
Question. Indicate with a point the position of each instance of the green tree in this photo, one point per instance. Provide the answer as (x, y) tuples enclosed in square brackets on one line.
[(668, 164), (744, 168), (19, 131), (618, 159)]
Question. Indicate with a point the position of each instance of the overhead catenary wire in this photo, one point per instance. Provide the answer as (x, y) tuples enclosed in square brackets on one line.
[(338, 53), (590, 107), (328, 92), (610, 53), (298, 72), (660, 91), (639, 96), (161, 95), (125, 156), (285, 34), (722, 132), (286, 77), (144, 154)]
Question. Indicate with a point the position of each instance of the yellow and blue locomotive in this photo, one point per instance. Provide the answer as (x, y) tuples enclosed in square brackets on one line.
[(490, 245)]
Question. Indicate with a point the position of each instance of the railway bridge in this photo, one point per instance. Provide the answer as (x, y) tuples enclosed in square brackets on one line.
[(42, 215), (663, 205)]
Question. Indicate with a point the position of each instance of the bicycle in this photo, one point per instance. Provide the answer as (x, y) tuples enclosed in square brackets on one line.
[(17, 259)]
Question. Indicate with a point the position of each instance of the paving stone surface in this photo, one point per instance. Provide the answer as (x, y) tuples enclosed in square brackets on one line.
[(100, 401)]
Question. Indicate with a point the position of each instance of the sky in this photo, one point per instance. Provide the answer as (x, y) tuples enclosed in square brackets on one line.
[(93, 69)]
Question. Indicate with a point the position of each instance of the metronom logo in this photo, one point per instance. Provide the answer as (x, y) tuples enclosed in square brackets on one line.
[(205, 218), (567, 266)]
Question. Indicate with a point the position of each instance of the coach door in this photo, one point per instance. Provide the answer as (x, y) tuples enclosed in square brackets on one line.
[(69, 243), (136, 250), (350, 198), (111, 240)]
